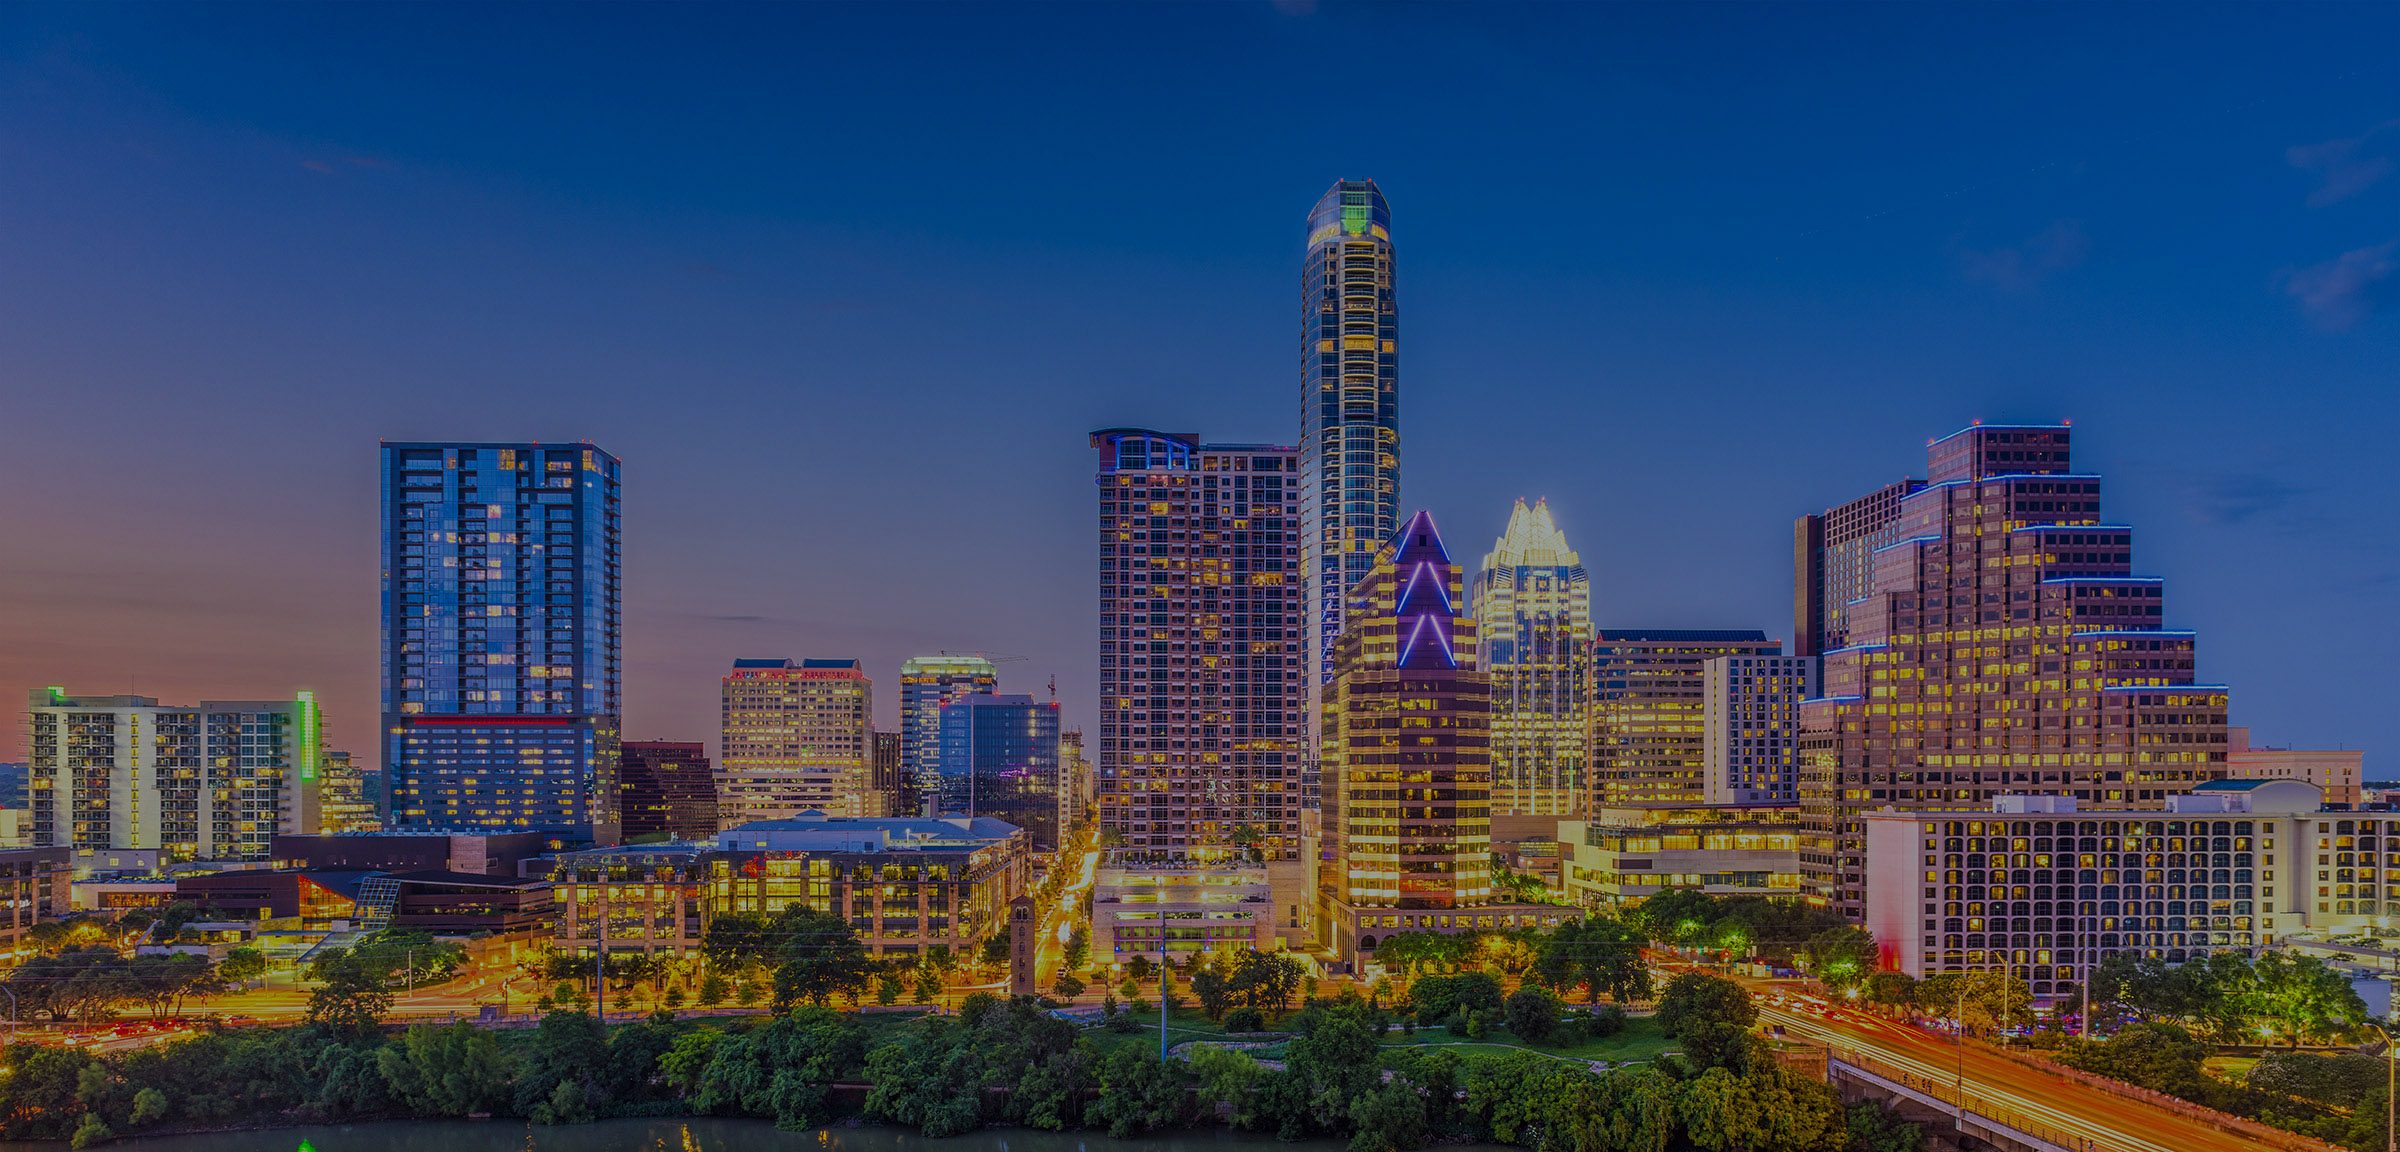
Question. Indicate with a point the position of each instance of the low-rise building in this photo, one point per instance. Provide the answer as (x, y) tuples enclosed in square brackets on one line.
[(317, 897), (2044, 888), (904, 884), (1145, 900), (471, 903), (2335, 772), (1626, 853), (419, 850), (636, 898), (36, 884)]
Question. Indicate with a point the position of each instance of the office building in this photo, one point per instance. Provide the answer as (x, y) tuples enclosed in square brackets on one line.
[(1202, 630), (927, 683), (668, 791), (501, 627), (36, 884), (895, 790), (2005, 646), (1406, 821), (797, 736), (213, 782), (1000, 760), (1621, 855), (1532, 605), (905, 885), (632, 899), (2334, 772), (1831, 552), (2045, 887), (1179, 906), (348, 799), (1750, 708), (1349, 409), (1649, 712)]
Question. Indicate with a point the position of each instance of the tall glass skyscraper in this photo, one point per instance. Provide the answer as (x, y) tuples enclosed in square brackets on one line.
[(1349, 407), (1532, 602), (501, 625), (927, 683), (1000, 759)]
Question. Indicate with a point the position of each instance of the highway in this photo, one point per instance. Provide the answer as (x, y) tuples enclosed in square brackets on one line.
[(2042, 1104)]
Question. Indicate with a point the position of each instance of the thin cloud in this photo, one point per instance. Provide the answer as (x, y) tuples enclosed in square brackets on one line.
[(2341, 292), (2232, 498), (2055, 249), (2348, 165)]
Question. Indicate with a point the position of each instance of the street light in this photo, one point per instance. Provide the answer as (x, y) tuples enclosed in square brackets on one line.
[(2391, 1112)]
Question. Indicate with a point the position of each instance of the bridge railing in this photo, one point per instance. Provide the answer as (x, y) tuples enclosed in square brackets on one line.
[(1968, 1104)]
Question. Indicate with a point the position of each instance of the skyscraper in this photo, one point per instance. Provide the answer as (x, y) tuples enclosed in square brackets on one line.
[(1830, 555), (1649, 712), (1407, 745), (2003, 646), (1000, 759), (1532, 605), (501, 635), (927, 683), (1202, 630), (1349, 406), (214, 781), (892, 783), (348, 799), (1750, 712), (668, 790), (796, 735)]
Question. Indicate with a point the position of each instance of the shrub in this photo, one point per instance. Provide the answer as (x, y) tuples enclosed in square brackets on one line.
[(1606, 1020), (1533, 1014), (1245, 1020)]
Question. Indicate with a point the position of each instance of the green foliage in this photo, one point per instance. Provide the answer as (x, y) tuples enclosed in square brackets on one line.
[(1598, 954), (1225, 1079), (242, 964), (559, 1072), (1439, 997), (933, 1078), (1533, 1014), (1604, 1021), (784, 1070), (1891, 989), (2339, 1079), (457, 1070), (1774, 928), (1762, 1108), (1841, 957), (1245, 1020), (1874, 1128), (92, 1130), (1140, 1094), (1711, 1017)]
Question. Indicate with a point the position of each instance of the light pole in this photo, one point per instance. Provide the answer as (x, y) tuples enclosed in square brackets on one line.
[(2391, 1079)]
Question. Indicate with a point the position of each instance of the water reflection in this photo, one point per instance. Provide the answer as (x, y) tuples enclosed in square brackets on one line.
[(671, 1135)]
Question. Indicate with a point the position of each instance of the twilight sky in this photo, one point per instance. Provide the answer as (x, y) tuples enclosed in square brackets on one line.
[(845, 288)]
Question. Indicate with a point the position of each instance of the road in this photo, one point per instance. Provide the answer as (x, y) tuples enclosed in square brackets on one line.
[(1994, 1085)]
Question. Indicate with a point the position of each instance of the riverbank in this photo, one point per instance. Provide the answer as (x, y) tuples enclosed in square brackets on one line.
[(677, 1134)]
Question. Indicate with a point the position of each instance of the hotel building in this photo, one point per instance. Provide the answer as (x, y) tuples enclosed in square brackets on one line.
[(2334, 772), (1751, 709), (1532, 605), (1349, 410), (1649, 710), (213, 782), (2004, 647), (927, 683), (1622, 855), (501, 626), (1202, 633), (796, 736)]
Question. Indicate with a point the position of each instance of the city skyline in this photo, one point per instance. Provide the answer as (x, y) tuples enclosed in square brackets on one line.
[(2259, 487)]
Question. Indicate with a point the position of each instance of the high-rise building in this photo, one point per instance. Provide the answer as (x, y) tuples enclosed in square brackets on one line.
[(1750, 710), (927, 683), (1408, 739), (1532, 605), (501, 626), (1202, 630), (1349, 407), (1649, 710), (1074, 783), (2004, 646), (1000, 759), (348, 799), (797, 736), (891, 782), (1830, 563), (668, 791), (213, 782)]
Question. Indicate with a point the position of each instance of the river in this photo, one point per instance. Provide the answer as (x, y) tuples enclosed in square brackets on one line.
[(695, 1134)]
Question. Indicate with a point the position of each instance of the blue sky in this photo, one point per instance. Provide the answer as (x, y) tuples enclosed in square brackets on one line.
[(846, 287)]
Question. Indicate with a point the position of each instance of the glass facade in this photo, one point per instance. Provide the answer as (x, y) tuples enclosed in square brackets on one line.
[(1650, 706), (1000, 759), (1532, 604), (927, 683), (501, 626), (1349, 407), (668, 790)]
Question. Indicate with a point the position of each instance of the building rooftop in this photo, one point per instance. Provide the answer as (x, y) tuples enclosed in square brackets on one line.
[(815, 831)]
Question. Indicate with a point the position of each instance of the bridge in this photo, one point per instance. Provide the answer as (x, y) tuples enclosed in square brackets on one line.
[(1951, 1114)]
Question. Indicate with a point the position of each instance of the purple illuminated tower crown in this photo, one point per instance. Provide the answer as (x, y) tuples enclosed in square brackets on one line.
[(1425, 615)]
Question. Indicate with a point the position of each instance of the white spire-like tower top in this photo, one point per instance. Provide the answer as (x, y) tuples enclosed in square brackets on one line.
[(1532, 540)]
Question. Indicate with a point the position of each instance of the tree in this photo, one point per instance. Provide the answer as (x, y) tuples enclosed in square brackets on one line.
[(1214, 992), (352, 1001), (2300, 998), (1875, 1128), (713, 990), (995, 951), (1598, 954), (1140, 970), (1139, 1093), (1079, 947), (1533, 1014), (1068, 985), (818, 956), (1437, 998), (1893, 990), (456, 1070), (242, 964), (1841, 957), (1712, 1017)]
